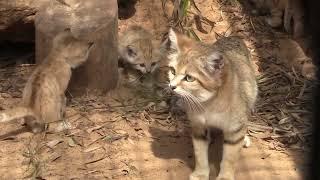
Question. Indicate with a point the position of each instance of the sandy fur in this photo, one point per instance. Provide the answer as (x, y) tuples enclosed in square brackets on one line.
[(43, 98)]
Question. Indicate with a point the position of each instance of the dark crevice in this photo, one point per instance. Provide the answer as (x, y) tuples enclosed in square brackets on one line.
[(126, 8)]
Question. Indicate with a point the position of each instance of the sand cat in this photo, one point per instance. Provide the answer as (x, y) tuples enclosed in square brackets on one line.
[(292, 55), (43, 98), (218, 87), (283, 13), (137, 52)]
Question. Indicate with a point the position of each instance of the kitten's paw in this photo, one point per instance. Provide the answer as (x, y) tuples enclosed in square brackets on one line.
[(225, 178), (36, 127), (246, 141), (3, 117), (60, 126), (36, 130), (274, 22), (199, 175)]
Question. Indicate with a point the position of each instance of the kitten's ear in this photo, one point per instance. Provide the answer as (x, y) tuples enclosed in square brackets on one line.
[(131, 51), (63, 38), (172, 37), (215, 62), (171, 42)]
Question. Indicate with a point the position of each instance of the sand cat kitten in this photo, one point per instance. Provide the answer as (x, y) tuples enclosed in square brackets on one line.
[(283, 13), (218, 87), (43, 98), (292, 55), (137, 51)]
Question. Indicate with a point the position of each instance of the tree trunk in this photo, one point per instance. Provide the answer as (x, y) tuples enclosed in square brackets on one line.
[(94, 20)]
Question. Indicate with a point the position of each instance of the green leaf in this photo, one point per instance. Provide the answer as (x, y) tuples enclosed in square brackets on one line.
[(185, 6)]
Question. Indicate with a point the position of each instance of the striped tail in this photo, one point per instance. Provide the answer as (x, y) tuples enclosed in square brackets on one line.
[(15, 113)]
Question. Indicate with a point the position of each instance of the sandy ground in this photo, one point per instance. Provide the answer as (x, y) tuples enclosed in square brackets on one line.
[(130, 135)]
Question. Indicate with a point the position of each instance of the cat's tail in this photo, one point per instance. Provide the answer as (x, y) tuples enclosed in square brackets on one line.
[(15, 113)]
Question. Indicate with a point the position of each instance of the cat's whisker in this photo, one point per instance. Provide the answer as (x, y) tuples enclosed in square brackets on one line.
[(167, 91), (192, 101), (196, 106), (137, 79), (197, 102), (186, 99)]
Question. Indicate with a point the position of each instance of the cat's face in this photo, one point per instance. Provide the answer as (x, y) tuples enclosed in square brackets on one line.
[(195, 69), (144, 58)]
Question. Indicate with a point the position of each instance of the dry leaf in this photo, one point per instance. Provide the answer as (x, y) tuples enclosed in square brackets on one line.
[(71, 142), (53, 143), (90, 149)]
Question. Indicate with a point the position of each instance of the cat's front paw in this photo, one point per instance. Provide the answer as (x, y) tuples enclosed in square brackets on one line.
[(199, 175)]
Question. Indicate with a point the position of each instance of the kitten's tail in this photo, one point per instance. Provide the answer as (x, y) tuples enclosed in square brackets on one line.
[(15, 113)]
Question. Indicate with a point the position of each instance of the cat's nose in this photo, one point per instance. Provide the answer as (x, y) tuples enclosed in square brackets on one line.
[(148, 71), (173, 87)]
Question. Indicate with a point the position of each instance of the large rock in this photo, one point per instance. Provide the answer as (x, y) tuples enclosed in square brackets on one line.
[(94, 20)]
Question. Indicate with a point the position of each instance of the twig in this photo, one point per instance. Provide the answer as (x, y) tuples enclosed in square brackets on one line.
[(254, 29), (99, 159)]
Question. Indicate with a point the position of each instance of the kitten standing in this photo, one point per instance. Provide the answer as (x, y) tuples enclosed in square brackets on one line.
[(218, 86), (43, 98)]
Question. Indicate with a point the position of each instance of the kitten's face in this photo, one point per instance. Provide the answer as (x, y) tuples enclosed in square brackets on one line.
[(195, 69), (142, 57)]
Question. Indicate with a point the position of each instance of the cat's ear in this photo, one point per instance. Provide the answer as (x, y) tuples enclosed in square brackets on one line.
[(63, 38), (214, 63), (131, 51), (170, 44), (173, 39)]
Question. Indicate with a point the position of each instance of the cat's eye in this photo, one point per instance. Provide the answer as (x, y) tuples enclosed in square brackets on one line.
[(153, 64), (189, 78), (142, 65), (172, 70)]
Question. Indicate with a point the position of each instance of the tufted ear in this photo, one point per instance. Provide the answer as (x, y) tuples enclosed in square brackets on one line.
[(131, 52), (215, 63), (62, 38), (171, 42)]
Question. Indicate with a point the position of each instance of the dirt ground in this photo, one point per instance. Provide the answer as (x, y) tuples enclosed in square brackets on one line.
[(129, 133)]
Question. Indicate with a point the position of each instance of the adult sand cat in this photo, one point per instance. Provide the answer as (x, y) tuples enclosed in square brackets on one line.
[(136, 50), (43, 98), (218, 87)]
